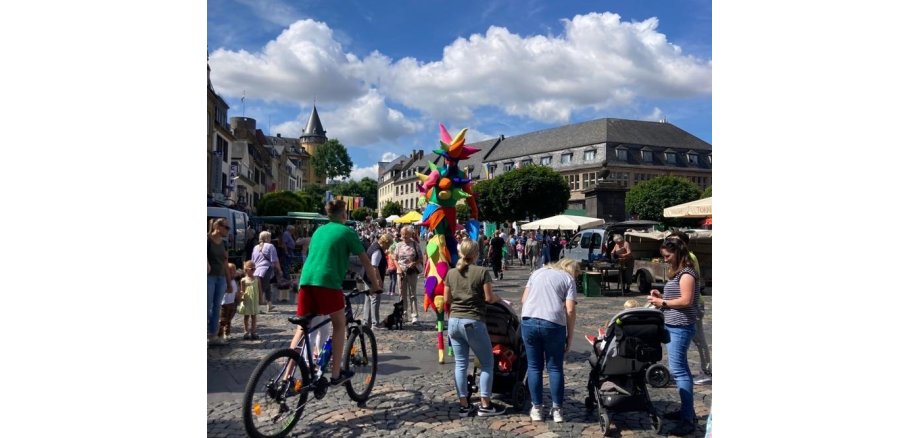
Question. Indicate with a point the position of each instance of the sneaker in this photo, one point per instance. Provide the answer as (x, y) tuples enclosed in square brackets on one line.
[(674, 416), (345, 376), (414, 320), (684, 428), (702, 379), (254, 337), (536, 413), (490, 411), (467, 411), (557, 414), (246, 336)]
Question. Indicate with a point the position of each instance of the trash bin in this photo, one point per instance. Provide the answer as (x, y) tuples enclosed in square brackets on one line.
[(591, 284)]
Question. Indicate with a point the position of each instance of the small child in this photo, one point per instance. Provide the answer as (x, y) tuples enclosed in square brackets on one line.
[(249, 305), (598, 341), (228, 309)]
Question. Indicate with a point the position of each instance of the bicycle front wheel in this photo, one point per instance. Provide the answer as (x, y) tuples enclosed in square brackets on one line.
[(274, 397), (361, 357)]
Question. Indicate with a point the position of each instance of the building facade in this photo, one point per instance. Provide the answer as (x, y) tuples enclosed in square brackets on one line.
[(313, 136), (618, 151), (219, 138)]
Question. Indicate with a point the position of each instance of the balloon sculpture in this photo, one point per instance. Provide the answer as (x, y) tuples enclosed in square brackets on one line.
[(442, 188)]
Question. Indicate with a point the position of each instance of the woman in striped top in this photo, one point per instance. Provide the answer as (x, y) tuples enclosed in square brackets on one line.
[(680, 315)]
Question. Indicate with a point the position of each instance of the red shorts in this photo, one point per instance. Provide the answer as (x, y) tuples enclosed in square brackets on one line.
[(315, 300)]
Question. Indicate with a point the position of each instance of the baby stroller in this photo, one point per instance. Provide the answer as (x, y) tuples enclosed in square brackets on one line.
[(624, 364), (510, 358)]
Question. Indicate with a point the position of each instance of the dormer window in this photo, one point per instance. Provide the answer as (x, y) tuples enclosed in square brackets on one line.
[(508, 166), (693, 158), (566, 159), (590, 155), (710, 159), (546, 161), (670, 157), (526, 162), (647, 155), (621, 153)]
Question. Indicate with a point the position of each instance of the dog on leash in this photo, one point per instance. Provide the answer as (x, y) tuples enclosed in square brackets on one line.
[(394, 321)]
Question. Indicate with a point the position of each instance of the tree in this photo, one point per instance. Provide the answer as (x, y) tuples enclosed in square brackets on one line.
[(533, 192), (391, 208), (528, 192), (707, 193), (488, 200), (463, 213), (359, 214), (280, 203), (366, 188), (332, 160), (649, 198), (313, 195)]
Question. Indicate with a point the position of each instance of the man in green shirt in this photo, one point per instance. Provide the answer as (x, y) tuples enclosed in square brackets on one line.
[(321, 280)]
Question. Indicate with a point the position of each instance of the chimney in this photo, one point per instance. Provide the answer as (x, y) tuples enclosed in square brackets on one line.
[(279, 135)]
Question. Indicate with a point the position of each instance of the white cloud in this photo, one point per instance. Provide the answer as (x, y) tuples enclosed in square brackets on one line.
[(656, 116), (367, 120), (303, 63), (389, 156), (360, 172), (598, 62)]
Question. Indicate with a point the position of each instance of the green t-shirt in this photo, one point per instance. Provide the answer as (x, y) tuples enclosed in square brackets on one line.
[(468, 297), (327, 262)]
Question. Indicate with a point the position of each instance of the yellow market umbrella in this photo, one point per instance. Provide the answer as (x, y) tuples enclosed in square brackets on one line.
[(409, 218)]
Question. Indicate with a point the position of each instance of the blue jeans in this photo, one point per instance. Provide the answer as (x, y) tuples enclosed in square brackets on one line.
[(545, 343), (465, 334), (681, 335), (217, 287)]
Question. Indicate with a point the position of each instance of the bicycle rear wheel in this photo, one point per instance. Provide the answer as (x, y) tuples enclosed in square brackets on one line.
[(361, 357), (274, 401)]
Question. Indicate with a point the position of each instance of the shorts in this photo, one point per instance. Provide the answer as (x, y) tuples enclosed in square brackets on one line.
[(315, 300)]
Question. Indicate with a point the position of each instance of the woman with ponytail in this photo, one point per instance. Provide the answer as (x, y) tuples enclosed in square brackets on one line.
[(467, 289)]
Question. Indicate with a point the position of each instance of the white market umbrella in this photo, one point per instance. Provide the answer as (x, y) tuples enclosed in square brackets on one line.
[(700, 208), (392, 218), (563, 222)]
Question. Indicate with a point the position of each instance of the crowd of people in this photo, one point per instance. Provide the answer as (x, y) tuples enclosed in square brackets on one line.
[(395, 254)]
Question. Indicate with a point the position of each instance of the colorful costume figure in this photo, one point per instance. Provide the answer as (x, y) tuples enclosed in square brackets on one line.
[(442, 188)]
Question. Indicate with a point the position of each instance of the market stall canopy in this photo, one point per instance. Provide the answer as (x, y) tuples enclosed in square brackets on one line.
[(392, 218), (564, 222), (700, 208), (409, 218)]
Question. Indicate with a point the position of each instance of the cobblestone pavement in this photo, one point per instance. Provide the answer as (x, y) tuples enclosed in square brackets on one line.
[(415, 396)]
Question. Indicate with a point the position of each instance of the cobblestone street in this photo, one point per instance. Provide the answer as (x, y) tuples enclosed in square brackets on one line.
[(415, 396)]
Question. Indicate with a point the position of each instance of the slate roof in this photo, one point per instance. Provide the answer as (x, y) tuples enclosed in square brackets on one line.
[(614, 131)]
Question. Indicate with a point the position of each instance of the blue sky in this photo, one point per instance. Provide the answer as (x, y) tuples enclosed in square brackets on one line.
[(385, 73)]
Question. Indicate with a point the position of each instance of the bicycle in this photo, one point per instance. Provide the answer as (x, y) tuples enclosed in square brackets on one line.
[(287, 374)]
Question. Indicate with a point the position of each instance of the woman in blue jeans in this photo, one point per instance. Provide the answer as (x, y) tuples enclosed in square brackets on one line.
[(467, 289), (680, 315), (549, 324), (219, 278)]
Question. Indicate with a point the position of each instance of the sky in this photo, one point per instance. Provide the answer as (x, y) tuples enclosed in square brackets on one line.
[(384, 74)]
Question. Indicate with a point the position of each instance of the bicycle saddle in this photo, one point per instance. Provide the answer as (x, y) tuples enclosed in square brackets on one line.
[(303, 321)]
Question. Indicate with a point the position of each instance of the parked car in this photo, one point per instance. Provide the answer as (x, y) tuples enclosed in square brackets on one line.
[(236, 240), (596, 241)]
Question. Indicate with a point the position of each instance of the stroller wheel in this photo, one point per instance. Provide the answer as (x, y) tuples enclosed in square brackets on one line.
[(658, 376), (603, 418), (518, 395)]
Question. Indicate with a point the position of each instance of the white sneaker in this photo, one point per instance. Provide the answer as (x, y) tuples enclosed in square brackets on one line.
[(536, 413), (702, 379), (557, 414), (414, 320)]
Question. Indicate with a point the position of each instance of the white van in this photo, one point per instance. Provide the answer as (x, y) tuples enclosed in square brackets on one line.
[(236, 240), (596, 240)]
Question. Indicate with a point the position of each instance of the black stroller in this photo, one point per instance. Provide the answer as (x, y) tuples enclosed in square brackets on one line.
[(510, 358), (624, 364)]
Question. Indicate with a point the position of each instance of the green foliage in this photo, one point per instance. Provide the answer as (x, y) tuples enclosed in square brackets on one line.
[(280, 203), (530, 192), (366, 188), (707, 193), (359, 214), (313, 195), (463, 213), (391, 208), (649, 198), (332, 159)]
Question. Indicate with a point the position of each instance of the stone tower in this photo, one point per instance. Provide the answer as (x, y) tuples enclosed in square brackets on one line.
[(314, 134)]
